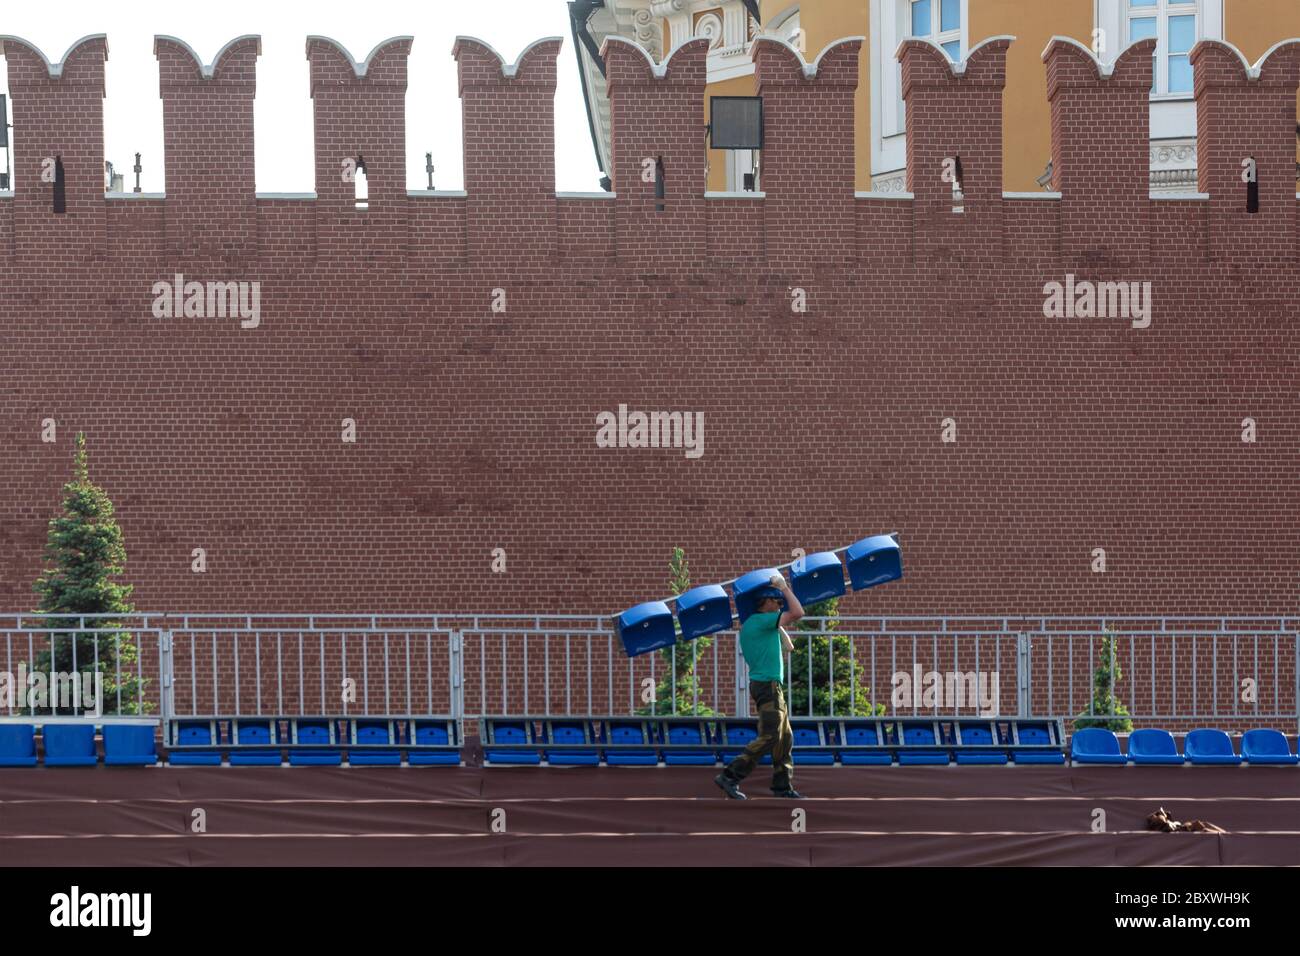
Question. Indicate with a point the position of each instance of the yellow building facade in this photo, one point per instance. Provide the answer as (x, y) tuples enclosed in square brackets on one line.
[(1106, 26)]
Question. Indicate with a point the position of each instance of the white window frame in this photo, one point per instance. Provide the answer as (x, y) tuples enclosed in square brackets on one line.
[(940, 37), (1173, 115), (891, 24), (1161, 11)]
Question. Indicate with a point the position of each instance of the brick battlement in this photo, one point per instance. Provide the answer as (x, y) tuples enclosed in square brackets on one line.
[(509, 213), (476, 427)]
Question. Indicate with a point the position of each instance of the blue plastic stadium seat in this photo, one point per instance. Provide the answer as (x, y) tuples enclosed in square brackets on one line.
[(254, 734), (646, 627), (196, 733), (17, 745), (863, 735), (129, 745), (314, 734), (372, 758), (1096, 745), (572, 734), (1039, 736), (628, 735), (977, 735), (373, 733), (808, 736), (1265, 747), (1207, 746), (746, 589), (1153, 747), (688, 735), (873, 561), (510, 735), (433, 734), (430, 734), (817, 577), (703, 610), (69, 745), (434, 758), (920, 736)]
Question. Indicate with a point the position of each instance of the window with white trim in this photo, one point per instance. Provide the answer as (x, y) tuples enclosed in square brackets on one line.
[(940, 21), (1173, 24)]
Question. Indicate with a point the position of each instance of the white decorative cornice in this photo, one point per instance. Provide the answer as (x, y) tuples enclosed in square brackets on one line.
[(646, 32), (709, 27)]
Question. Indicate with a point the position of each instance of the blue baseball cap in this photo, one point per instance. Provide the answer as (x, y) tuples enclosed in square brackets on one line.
[(768, 592)]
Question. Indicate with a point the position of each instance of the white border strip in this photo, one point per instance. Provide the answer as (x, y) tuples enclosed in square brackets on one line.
[(437, 193), (135, 195), (1043, 195), (1173, 196), (740, 194), (900, 195), (284, 195), (596, 195)]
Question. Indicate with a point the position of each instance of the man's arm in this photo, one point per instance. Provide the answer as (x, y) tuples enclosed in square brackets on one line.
[(793, 609), (785, 639)]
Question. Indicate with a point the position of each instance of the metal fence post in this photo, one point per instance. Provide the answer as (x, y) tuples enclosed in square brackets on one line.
[(742, 698), (457, 690), (166, 702), (1023, 685)]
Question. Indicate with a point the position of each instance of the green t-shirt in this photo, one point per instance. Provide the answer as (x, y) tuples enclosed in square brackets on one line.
[(760, 642)]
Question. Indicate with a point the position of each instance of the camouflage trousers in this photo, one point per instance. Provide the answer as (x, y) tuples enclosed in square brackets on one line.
[(774, 735)]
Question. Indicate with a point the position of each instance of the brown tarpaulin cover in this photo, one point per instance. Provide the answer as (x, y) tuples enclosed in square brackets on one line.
[(439, 816)]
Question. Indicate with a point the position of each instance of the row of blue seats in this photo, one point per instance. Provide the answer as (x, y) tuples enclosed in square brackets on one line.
[(323, 741), (73, 745), (314, 741), (1206, 747), (825, 741)]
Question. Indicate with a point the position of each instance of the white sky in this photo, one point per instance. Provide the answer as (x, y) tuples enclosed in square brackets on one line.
[(282, 111)]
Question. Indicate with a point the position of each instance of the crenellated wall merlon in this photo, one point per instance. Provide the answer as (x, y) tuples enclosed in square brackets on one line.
[(326, 51), (235, 62), (1099, 207), (90, 49)]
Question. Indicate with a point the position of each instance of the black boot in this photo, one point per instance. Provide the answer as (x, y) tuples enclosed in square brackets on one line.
[(789, 792), (730, 786)]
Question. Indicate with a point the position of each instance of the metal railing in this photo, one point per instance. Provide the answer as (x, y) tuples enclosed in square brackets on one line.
[(71, 667), (1229, 671)]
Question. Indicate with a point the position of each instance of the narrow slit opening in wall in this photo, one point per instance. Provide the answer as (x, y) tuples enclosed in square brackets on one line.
[(361, 184), (60, 191), (1252, 188), (659, 184), (958, 197), (4, 138)]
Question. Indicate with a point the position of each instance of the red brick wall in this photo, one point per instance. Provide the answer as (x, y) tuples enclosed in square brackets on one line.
[(476, 430)]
